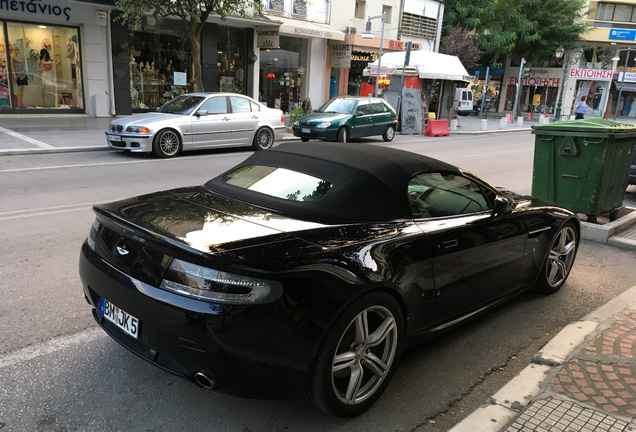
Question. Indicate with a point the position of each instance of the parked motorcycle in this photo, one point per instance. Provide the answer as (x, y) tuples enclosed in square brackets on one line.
[(477, 106)]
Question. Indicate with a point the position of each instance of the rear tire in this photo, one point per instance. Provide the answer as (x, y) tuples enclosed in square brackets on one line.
[(263, 139), (343, 135), (559, 261), (358, 358), (389, 133), (167, 144), (304, 139)]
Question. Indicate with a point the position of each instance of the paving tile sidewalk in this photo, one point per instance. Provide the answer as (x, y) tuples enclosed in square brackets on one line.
[(582, 380)]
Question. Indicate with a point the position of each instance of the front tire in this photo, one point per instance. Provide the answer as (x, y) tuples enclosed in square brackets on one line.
[(358, 358), (389, 133), (263, 139), (167, 144), (559, 261), (343, 135)]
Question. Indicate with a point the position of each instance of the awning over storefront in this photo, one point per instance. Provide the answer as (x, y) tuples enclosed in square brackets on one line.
[(305, 28), (430, 65), (626, 86)]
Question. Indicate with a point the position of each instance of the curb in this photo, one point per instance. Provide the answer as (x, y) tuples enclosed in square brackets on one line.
[(16, 152), (524, 388)]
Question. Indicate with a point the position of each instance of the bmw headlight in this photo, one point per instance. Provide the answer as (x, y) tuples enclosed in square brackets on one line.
[(137, 129), (296, 123), (205, 283), (323, 125)]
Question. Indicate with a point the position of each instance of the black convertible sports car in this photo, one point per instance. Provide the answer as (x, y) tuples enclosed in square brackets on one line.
[(308, 269)]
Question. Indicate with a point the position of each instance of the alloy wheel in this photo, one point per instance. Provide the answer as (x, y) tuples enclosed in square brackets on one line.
[(561, 257), (365, 354), (169, 143)]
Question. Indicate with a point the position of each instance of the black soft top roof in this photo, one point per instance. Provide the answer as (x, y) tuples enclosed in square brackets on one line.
[(369, 182)]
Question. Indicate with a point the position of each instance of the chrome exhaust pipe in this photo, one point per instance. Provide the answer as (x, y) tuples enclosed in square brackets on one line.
[(204, 380)]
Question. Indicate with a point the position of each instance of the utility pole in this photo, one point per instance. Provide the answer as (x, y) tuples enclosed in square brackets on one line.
[(521, 66)]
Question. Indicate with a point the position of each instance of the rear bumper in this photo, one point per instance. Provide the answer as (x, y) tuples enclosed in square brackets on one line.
[(246, 350)]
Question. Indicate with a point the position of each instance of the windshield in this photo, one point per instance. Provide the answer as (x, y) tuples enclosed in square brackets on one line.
[(339, 105), (183, 105)]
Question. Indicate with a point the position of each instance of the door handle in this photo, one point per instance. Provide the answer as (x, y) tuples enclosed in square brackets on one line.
[(448, 244), (225, 119)]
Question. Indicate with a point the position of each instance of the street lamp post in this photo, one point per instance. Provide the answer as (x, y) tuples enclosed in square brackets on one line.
[(369, 35), (578, 52), (616, 58)]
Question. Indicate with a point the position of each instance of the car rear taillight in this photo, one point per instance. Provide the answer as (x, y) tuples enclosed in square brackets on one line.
[(282, 119)]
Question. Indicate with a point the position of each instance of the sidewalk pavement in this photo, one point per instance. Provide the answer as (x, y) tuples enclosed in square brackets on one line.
[(582, 380)]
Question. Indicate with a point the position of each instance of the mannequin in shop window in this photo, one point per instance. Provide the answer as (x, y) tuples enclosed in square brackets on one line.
[(19, 74), (46, 66)]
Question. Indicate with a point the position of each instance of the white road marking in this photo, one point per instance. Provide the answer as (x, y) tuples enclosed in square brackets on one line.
[(17, 214), (49, 347), (25, 138), (103, 164)]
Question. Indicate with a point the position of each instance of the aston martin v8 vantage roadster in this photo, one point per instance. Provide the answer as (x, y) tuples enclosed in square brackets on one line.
[(306, 270)]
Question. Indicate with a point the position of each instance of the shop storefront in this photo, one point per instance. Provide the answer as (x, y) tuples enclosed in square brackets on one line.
[(594, 85), (42, 61), (282, 81), (154, 64), (622, 99), (290, 57), (491, 86)]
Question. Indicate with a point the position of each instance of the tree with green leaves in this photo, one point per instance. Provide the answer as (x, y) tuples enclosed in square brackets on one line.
[(193, 14), (523, 28)]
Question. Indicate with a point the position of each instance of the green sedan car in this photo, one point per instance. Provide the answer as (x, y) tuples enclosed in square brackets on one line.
[(346, 117)]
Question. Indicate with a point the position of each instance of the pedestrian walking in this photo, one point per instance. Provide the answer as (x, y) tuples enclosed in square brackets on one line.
[(581, 109)]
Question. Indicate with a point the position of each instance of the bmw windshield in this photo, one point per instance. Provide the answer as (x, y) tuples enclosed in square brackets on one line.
[(183, 105)]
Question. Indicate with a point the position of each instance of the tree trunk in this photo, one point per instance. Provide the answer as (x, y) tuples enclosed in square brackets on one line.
[(195, 45)]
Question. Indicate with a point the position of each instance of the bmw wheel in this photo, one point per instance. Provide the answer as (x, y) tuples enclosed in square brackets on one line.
[(389, 133), (263, 139), (166, 144), (343, 135), (358, 358), (559, 261)]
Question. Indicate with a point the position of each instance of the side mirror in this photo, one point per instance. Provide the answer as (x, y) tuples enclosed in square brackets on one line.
[(502, 205), (358, 114), (202, 113)]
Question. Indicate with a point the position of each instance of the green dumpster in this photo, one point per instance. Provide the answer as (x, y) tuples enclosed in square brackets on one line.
[(583, 165)]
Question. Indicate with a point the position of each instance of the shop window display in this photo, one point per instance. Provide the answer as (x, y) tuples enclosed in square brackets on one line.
[(41, 68), (230, 44), (282, 74), (157, 64)]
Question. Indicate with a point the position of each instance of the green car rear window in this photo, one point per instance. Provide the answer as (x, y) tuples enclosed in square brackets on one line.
[(278, 182)]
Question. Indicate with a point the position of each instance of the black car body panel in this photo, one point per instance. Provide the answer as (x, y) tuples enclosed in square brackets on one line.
[(441, 270)]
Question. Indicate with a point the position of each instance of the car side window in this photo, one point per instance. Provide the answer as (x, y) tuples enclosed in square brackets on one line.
[(364, 107), (378, 107), (240, 104), (440, 194), (255, 107), (215, 105)]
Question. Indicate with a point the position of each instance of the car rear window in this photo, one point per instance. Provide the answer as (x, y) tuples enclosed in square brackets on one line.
[(278, 182)]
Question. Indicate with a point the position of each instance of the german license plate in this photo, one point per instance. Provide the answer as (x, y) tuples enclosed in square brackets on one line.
[(114, 138), (306, 130), (119, 317)]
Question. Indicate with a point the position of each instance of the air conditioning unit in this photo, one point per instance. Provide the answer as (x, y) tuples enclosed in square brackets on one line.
[(350, 30)]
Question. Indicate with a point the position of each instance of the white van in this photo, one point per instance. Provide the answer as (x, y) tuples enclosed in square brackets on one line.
[(463, 101)]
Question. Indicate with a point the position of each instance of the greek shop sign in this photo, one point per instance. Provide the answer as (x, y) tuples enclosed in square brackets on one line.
[(53, 11), (591, 74), (341, 56), (36, 8)]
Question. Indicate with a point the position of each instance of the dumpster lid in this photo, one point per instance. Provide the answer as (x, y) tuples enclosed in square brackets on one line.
[(586, 125)]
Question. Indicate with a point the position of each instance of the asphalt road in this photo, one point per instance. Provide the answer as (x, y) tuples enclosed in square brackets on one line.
[(58, 372)]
